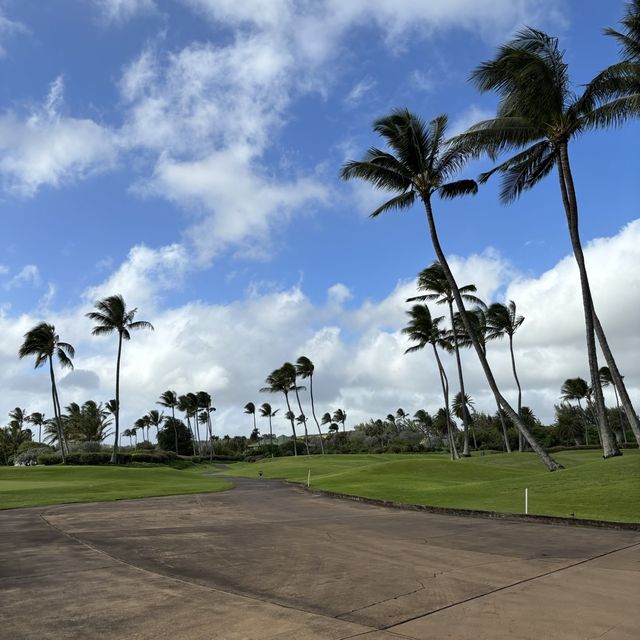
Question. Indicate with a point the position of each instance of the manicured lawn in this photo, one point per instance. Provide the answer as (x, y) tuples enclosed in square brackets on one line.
[(588, 487), (38, 486)]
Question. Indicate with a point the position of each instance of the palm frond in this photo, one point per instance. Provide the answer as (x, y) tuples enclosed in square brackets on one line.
[(458, 188), (402, 201)]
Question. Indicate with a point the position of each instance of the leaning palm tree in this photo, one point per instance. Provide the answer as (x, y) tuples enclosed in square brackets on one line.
[(111, 316), (44, 343), (433, 281), (186, 405), (154, 419), (204, 401), (250, 409), (606, 379), (340, 416), (423, 167), (302, 419), (305, 369), (169, 399), (538, 115), (423, 330), (291, 373), (280, 381), (503, 320), (266, 411)]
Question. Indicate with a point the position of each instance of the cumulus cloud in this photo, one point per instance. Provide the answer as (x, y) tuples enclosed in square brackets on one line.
[(229, 349), (45, 147)]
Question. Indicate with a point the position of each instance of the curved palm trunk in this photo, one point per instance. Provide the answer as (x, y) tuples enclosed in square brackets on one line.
[(114, 455), (304, 422), (515, 375), (453, 449), (609, 445), (548, 461), (465, 416), (192, 432), (618, 382), (175, 430), (505, 433), (313, 413), (586, 423), (63, 442), (623, 435), (270, 436), (293, 424), (210, 425), (54, 395)]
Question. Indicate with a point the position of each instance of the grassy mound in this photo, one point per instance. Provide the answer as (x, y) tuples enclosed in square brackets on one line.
[(38, 486), (589, 487)]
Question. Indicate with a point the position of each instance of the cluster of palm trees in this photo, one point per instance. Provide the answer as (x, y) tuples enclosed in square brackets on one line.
[(486, 322), (285, 380), (539, 113)]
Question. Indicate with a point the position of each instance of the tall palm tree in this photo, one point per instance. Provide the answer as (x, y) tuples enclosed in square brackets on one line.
[(503, 320), (186, 404), (37, 419), (280, 381), (423, 330), (433, 281), (577, 389), (606, 379), (422, 167), (302, 419), (305, 369), (538, 115), (250, 408), (44, 343), (291, 372), (340, 416), (204, 401), (169, 399), (111, 316), (266, 411), (154, 419)]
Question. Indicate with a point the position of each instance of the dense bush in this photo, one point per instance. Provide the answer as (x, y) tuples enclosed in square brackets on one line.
[(155, 457), (88, 446), (167, 437), (30, 456), (49, 458)]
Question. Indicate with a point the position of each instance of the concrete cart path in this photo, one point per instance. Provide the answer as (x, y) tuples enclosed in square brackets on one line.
[(269, 561)]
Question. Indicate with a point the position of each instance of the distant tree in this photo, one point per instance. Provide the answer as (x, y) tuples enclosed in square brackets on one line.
[(339, 415), (172, 428), (266, 411), (37, 419), (169, 399), (577, 389), (280, 381), (305, 369), (250, 408), (111, 316)]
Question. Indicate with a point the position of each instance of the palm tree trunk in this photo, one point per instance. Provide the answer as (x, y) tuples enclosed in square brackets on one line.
[(210, 423), (270, 435), (175, 430), (515, 375), (586, 423), (548, 461), (54, 394), (623, 435), (453, 449), (465, 418), (609, 446), (293, 425), (505, 434), (63, 443), (313, 413), (618, 382), (114, 455), (304, 422)]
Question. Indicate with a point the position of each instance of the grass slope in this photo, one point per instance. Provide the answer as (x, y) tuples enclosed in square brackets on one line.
[(39, 486), (588, 487)]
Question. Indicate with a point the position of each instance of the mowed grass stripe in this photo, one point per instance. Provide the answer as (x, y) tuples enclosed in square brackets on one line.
[(589, 487)]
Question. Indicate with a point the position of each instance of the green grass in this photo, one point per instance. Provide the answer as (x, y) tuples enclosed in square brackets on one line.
[(588, 487), (39, 486)]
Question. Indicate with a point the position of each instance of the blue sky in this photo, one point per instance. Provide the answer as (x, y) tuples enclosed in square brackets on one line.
[(186, 153)]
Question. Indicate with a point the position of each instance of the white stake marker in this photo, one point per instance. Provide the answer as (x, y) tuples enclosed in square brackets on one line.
[(526, 501), (309, 478)]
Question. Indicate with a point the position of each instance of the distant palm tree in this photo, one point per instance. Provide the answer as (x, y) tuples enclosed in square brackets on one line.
[(169, 399), (112, 316), (204, 401), (301, 419), (305, 369), (606, 380), (423, 330), (326, 418), (186, 404), (433, 281), (459, 408), (266, 411), (37, 419), (154, 419), (340, 416), (292, 373), (538, 115), (140, 424), (250, 408), (280, 381), (422, 167), (503, 320), (577, 389), (44, 343)]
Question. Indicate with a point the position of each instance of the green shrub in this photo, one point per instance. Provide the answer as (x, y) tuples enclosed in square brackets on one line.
[(29, 457), (49, 458), (154, 457)]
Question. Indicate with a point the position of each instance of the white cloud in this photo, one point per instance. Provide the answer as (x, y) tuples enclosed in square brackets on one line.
[(29, 275), (48, 148), (359, 91), (119, 11), (8, 28), (470, 116)]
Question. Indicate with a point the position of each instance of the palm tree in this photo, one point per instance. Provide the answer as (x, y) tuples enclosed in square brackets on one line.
[(44, 343), (204, 401), (423, 329), (154, 419), (140, 423), (279, 381), (434, 281), (292, 374), (326, 418), (169, 399), (301, 419), (503, 320), (340, 416), (186, 404), (606, 379), (577, 389), (422, 167), (129, 433), (267, 412), (305, 369), (37, 419), (112, 316), (460, 408), (540, 113), (250, 408)]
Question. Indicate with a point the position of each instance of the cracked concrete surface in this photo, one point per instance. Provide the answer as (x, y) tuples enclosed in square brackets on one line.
[(270, 561)]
